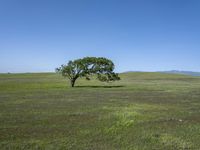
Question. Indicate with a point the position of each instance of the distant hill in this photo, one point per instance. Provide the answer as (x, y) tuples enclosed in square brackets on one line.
[(191, 73)]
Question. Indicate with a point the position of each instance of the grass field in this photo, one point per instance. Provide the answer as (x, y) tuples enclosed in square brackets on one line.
[(143, 111)]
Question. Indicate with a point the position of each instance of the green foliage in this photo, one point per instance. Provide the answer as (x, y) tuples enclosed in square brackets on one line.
[(87, 67)]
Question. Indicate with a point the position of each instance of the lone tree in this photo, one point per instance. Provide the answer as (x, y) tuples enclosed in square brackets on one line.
[(87, 67)]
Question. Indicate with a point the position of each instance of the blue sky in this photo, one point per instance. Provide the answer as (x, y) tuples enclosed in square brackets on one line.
[(141, 35)]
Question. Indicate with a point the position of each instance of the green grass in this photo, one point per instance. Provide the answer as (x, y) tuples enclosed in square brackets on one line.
[(143, 111)]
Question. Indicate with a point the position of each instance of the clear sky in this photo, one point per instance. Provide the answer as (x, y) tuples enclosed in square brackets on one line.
[(138, 35)]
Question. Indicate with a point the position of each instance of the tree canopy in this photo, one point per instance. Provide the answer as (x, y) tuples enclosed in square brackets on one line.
[(87, 67)]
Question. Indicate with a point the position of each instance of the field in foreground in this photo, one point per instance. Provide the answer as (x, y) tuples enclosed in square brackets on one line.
[(143, 111)]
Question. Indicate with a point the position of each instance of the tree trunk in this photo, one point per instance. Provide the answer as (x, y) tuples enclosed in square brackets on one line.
[(72, 82)]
